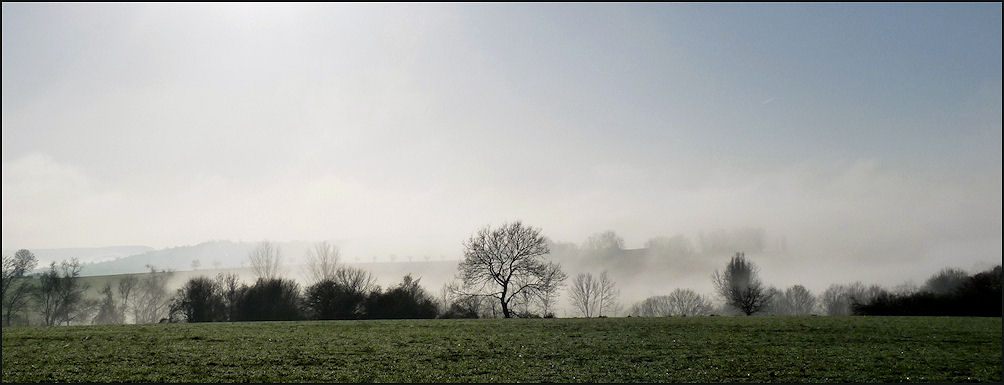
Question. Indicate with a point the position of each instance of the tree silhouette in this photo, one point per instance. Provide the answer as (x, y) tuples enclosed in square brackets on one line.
[(504, 262), (740, 286)]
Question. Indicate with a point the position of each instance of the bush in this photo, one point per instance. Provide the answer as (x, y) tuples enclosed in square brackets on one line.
[(407, 300), (200, 300), (273, 299), (327, 300)]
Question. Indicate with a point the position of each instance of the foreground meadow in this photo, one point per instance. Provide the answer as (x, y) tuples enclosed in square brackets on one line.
[(694, 349)]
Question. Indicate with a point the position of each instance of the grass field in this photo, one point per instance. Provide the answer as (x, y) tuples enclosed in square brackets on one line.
[(694, 349)]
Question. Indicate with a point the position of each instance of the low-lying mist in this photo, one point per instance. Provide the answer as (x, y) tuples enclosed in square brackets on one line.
[(660, 265)]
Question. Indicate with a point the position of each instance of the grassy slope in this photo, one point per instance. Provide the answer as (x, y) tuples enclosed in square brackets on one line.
[(696, 349)]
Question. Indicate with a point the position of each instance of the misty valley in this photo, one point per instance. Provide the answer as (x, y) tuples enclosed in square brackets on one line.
[(511, 271)]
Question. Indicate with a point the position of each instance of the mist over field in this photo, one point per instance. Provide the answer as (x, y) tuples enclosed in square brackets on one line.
[(858, 142)]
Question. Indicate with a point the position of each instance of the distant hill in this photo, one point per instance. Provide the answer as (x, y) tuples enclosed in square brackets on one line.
[(210, 255), (87, 254)]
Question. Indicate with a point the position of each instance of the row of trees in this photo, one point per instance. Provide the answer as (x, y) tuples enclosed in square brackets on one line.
[(276, 299), (949, 292), (58, 295), (503, 274)]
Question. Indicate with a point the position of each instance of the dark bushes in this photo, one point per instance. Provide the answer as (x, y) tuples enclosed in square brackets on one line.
[(328, 299), (223, 299), (407, 300), (975, 296), (273, 299), (200, 300)]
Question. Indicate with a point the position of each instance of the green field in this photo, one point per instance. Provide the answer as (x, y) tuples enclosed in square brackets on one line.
[(694, 349)]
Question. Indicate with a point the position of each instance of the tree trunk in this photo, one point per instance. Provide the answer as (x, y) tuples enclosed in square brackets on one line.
[(505, 309)]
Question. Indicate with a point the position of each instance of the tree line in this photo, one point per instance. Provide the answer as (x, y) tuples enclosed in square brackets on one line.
[(504, 273), (950, 292), (57, 296)]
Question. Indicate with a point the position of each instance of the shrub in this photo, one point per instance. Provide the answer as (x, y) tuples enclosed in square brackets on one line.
[(273, 299), (407, 300), (327, 300), (200, 300)]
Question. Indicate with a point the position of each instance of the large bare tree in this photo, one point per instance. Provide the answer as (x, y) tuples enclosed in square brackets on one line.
[(593, 296), (504, 262), (16, 287), (740, 285), (584, 292), (266, 260), (322, 262)]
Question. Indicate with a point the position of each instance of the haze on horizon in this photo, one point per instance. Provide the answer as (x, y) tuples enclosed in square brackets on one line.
[(864, 135)]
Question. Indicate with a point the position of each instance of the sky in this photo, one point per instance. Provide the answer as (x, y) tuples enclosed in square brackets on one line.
[(858, 133)]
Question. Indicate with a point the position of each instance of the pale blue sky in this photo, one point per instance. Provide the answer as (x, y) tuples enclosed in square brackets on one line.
[(871, 125)]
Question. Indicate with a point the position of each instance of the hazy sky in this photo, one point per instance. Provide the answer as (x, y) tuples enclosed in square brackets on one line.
[(854, 131)]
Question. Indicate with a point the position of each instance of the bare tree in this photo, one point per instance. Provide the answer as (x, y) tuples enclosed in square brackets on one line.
[(834, 301), (266, 260), (151, 300), (127, 287), (608, 295), (16, 287), (686, 302), (593, 296), (504, 262), (61, 294), (322, 262), (447, 294), (740, 286), (796, 300), (585, 294)]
